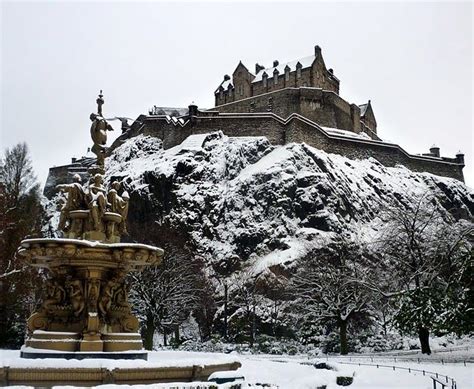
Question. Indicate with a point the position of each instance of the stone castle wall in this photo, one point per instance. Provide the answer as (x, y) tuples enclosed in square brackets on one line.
[(294, 129), (323, 107)]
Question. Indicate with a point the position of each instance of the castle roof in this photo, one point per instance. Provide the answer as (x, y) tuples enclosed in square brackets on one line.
[(170, 111), (363, 109), (224, 85), (305, 62)]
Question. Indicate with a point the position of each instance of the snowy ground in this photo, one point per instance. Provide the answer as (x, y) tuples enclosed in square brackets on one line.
[(283, 372)]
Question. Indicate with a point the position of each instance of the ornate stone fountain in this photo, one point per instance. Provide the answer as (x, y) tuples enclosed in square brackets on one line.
[(86, 309), (86, 313)]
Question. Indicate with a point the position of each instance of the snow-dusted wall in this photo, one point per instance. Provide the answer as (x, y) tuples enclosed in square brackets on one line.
[(296, 128)]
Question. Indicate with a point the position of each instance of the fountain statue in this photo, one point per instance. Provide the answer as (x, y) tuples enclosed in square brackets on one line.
[(86, 306)]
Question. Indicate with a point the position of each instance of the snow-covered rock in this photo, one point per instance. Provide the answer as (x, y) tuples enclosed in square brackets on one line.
[(244, 203)]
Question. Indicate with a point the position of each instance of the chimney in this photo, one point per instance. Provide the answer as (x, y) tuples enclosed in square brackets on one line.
[(434, 151), (258, 68), (226, 77), (317, 50), (331, 71), (73, 160), (460, 157), (275, 63)]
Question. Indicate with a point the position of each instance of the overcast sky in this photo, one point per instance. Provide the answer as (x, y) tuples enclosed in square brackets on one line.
[(413, 60)]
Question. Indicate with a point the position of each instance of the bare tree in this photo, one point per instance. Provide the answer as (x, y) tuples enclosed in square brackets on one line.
[(330, 287), (164, 296), (20, 217), (246, 299), (426, 250)]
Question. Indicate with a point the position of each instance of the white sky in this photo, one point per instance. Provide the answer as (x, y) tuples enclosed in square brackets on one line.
[(413, 60)]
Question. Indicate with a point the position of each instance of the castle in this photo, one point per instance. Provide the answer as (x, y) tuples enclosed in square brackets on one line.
[(304, 86), (297, 101)]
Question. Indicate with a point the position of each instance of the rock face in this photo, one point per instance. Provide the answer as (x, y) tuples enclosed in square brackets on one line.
[(245, 204)]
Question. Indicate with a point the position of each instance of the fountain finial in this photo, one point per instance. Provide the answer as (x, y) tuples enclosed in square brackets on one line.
[(100, 102)]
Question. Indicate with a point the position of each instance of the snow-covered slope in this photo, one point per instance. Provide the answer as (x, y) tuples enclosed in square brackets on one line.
[(245, 203)]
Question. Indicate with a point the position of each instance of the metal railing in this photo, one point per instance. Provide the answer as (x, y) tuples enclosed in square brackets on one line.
[(452, 385)]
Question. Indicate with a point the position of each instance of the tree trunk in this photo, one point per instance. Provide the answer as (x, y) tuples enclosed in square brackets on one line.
[(343, 337), (148, 333), (225, 312), (176, 335), (424, 336), (252, 328), (165, 338)]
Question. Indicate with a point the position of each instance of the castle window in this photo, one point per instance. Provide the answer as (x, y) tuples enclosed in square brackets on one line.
[(241, 90), (287, 74), (275, 78), (298, 73)]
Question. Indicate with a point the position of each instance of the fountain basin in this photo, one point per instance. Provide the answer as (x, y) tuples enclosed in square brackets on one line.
[(86, 307)]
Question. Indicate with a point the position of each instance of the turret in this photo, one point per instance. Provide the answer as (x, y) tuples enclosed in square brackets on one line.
[(460, 157), (434, 151), (193, 109)]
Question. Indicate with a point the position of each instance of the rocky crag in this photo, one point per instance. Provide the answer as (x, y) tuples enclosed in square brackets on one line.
[(244, 203)]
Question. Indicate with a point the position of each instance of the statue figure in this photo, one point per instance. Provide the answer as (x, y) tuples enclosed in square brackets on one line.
[(119, 204), (96, 201), (93, 287), (99, 130), (76, 295), (75, 199), (55, 295), (121, 296), (107, 295)]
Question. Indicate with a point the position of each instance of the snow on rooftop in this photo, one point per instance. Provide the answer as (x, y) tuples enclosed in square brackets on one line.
[(224, 85), (350, 134), (363, 109), (306, 62)]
